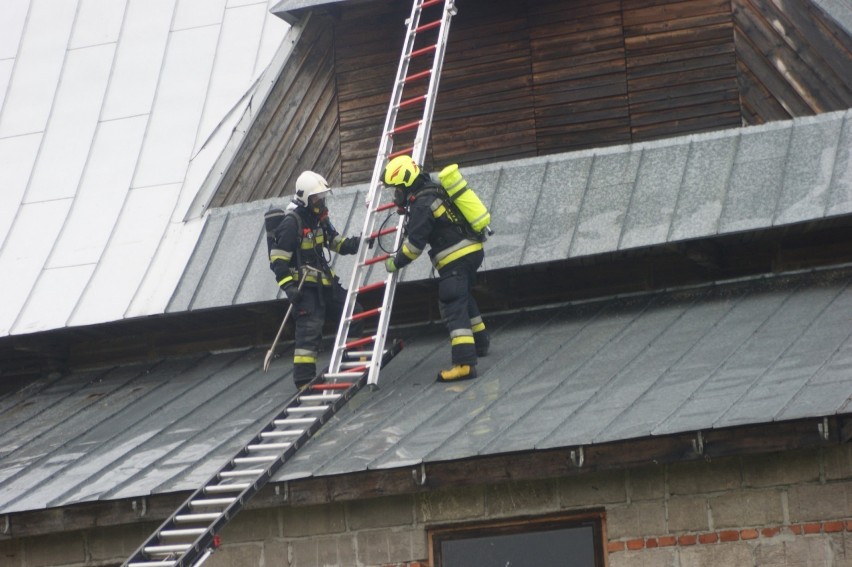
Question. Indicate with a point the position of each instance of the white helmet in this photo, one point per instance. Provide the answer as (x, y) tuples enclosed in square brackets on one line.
[(308, 184)]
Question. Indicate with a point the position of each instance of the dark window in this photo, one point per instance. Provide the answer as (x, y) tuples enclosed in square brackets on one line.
[(561, 541)]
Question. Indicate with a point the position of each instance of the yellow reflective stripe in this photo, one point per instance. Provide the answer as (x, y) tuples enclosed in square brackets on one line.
[(337, 243), (313, 279), (478, 327), (439, 211), (412, 252), (285, 280), (454, 253), (304, 360), (278, 254), (466, 340)]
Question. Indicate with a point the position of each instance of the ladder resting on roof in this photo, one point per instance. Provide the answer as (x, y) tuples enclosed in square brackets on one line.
[(190, 535)]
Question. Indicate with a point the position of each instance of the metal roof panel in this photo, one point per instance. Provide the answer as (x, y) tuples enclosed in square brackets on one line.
[(224, 274), (705, 183), (840, 196), (745, 352), (649, 216), (17, 156), (38, 66), (97, 22), (808, 169), (101, 195)]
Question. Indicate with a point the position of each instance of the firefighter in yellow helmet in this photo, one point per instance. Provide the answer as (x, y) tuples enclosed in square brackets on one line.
[(301, 236), (454, 254)]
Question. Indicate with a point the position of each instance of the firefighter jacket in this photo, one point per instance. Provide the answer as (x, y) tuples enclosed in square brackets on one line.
[(431, 222), (297, 237)]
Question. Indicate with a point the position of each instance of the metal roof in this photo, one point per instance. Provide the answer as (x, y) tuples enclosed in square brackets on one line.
[(116, 116), (112, 114), (744, 352), (580, 204)]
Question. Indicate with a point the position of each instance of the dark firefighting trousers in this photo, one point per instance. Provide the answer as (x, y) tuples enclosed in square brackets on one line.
[(319, 304), (459, 309)]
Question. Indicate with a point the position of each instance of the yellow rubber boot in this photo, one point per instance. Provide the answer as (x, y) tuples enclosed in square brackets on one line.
[(457, 373)]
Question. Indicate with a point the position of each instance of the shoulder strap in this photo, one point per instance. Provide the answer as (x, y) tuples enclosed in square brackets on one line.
[(453, 212), (292, 213)]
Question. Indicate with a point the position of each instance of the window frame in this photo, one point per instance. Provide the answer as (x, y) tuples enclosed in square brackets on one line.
[(520, 524)]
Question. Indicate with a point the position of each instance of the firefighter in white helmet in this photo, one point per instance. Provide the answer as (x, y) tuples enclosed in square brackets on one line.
[(302, 236), (454, 254)]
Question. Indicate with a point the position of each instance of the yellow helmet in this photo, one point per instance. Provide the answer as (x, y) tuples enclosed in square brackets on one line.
[(401, 171)]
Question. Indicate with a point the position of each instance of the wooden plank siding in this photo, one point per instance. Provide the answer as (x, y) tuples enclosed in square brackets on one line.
[(485, 108), (296, 129), (524, 78), (681, 67), (793, 60), (578, 70)]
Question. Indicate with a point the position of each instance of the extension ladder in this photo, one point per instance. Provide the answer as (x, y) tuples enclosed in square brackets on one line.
[(412, 52), (190, 535)]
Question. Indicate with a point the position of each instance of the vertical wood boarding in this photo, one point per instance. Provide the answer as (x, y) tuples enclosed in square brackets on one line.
[(296, 129), (793, 60)]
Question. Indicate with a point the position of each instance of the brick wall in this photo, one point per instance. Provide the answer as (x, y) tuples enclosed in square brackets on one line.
[(790, 509)]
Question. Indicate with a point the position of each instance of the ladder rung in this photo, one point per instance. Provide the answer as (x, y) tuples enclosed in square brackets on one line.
[(254, 460), (268, 447), (353, 354), (307, 409), (376, 259), (166, 549), (359, 342), (211, 502), (371, 287), (221, 488), (294, 421), (163, 563), (401, 152), (339, 375), (319, 398), (187, 518), (386, 206), (412, 100), (379, 233), (428, 3), (337, 386), (353, 364), (423, 51), (365, 314), (278, 434), (428, 26), (242, 473), (405, 127), (182, 533), (417, 76)]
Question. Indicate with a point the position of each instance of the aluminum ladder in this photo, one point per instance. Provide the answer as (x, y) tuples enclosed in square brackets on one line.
[(190, 535), (420, 44)]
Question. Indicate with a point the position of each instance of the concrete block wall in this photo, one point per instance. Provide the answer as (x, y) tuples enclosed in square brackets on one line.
[(790, 509)]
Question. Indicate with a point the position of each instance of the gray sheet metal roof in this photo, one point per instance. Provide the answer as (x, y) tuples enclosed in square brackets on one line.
[(582, 203), (744, 352)]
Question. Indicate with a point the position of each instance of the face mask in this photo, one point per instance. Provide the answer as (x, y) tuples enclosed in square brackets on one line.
[(317, 204), (399, 197)]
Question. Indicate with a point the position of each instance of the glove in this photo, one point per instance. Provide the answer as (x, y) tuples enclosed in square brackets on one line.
[(294, 294), (350, 245), (390, 265)]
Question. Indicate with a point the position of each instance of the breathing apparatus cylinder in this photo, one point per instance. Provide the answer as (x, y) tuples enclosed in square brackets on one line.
[(465, 199)]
